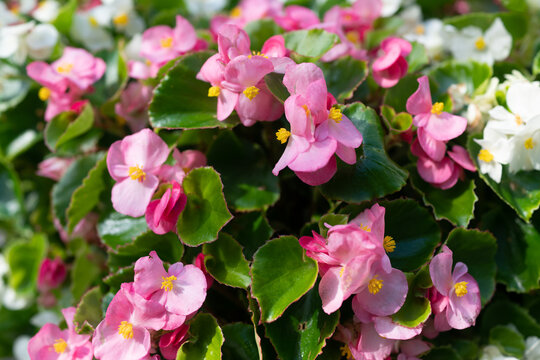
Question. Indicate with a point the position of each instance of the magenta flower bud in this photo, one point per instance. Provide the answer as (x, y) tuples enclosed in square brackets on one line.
[(162, 215), (170, 343), (51, 274)]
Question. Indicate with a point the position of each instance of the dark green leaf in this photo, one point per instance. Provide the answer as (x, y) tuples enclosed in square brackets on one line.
[(261, 30), (251, 230), (116, 229), (506, 313), (88, 314), (205, 340), (181, 101), (415, 311), (116, 279), (11, 197), (455, 205), (442, 353), (226, 263), (477, 250), (343, 76), (508, 340), (332, 220), (61, 129), (65, 17), (206, 211), (374, 175), (414, 244), (396, 97), (474, 75), (274, 82), (248, 180), (24, 259), (277, 287), (417, 58), (302, 331), (240, 343), (311, 43)]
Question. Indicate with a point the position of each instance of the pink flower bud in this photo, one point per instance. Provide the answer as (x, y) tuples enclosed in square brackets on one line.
[(51, 274), (170, 343)]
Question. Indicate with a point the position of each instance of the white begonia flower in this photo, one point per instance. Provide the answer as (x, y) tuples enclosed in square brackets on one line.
[(526, 147), (428, 33), (20, 348), (205, 8), (389, 7), (532, 348), (479, 106), (491, 352), (7, 17), (496, 151), (46, 11), (41, 41), (123, 16), (133, 48), (26, 6), (88, 27), (470, 43), (12, 41)]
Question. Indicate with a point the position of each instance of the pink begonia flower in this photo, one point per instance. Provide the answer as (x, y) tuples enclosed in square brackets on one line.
[(54, 167), (162, 214), (246, 11), (456, 297), (365, 343), (297, 18), (318, 129), (232, 42), (133, 105), (123, 334), (274, 47), (199, 262), (86, 229), (391, 66), (181, 289), (162, 43), (411, 349), (434, 125), (51, 274), (142, 70), (51, 343), (169, 343), (349, 259), (133, 163), (185, 162)]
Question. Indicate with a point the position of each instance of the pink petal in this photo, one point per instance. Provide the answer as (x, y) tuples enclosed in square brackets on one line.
[(347, 154), (131, 197), (149, 274), (435, 172), (226, 102), (232, 42), (274, 46), (445, 126), (440, 270), (452, 180), (295, 145), (189, 290), (108, 344), (388, 329), (212, 71), (320, 176), (371, 346), (298, 78), (151, 44), (390, 76), (463, 311), (145, 149), (420, 101), (40, 345), (460, 155), (248, 71), (316, 157), (301, 124), (185, 36), (264, 107), (345, 132), (46, 76), (435, 149)]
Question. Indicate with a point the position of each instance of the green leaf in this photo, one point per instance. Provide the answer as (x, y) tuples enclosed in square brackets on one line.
[(116, 229), (251, 230), (455, 205), (508, 340), (518, 250), (226, 263), (311, 43), (72, 179), (474, 75), (332, 220), (86, 196), (65, 17), (205, 340), (248, 180), (442, 353), (85, 271), (343, 76), (477, 250), (302, 331), (505, 313), (417, 57), (515, 5), (24, 259), (536, 64), (396, 97), (88, 314), (515, 23), (261, 30), (274, 82), (240, 343), (414, 244), (181, 101), (167, 246), (374, 175), (277, 287), (61, 129), (415, 311), (122, 275), (11, 197), (520, 190)]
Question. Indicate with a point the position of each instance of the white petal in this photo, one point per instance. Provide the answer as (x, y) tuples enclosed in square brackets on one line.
[(498, 40)]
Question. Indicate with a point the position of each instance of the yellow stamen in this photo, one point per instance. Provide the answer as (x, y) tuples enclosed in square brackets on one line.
[(93, 21), (365, 228), (306, 109), (64, 68), (137, 173), (485, 156), (236, 12), (251, 92), (60, 345), (44, 93), (167, 42), (121, 20), (375, 285), (389, 244), (342, 271), (282, 135), (420, 30), (529, 143), (461, 288), (346, 352), (15, 9), (126, 330), (480, 43), (167, 282), (519, 120), (437, 108), (257, 53), (353, 36), (335, 114), (214, 91)]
